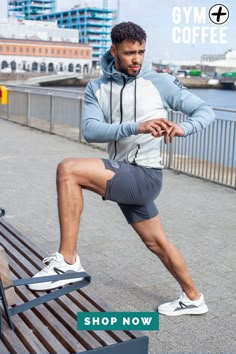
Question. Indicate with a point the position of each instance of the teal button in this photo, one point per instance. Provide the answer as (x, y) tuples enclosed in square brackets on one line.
[(106, 321)]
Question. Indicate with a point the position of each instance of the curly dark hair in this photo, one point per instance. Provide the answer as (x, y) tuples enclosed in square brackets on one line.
[(127, 31)]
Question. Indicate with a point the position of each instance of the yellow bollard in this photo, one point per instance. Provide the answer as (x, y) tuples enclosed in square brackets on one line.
[(3, 95)]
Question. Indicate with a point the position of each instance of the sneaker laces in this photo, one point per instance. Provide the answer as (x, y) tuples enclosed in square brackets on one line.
[(177, 301), (51, 260)]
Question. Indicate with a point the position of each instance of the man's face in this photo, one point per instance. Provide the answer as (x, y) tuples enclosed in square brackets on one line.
[(128, 57)]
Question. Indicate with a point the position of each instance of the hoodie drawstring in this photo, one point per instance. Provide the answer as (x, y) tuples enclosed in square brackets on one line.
[(135, 99), (111, 101)]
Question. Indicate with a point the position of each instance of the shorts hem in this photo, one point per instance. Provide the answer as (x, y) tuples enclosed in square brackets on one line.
[(136, 218)]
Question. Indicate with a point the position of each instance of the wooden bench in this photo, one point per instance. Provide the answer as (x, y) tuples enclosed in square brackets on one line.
[(51, 327)]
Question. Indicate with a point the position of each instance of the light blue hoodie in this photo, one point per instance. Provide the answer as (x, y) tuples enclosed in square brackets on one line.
[(115, 104)]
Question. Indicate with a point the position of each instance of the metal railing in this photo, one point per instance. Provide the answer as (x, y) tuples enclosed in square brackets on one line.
[(53, 112), (209, 155)]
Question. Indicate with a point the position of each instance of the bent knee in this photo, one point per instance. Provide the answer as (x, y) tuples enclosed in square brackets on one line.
[(65, 168)]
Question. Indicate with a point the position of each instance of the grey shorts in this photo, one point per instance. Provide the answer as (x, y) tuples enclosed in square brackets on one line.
[(133, 188)]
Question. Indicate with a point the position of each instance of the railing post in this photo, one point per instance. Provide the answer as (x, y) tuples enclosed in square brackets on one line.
[(80, 118), (51, 113), (28, 108), (170, 146), (8, 105)]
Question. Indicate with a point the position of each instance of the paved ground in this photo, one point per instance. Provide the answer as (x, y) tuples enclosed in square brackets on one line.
[(199, 217)]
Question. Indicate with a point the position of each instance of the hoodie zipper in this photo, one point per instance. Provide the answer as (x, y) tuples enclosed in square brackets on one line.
[(121, 112)]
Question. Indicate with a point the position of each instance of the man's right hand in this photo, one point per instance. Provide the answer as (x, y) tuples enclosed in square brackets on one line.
[(156, 127)]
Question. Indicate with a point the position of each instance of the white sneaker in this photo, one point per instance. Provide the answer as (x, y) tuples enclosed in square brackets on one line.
[(56, 265), (184, 306)]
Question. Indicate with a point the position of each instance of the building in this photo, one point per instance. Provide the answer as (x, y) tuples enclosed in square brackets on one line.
[(219, 63), (41, 46), (94, 25), (28, 8), (39, 30), (44, 56)]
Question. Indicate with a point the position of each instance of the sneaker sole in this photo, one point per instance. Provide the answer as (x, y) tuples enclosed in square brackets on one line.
[(197, 311), (53, 285)]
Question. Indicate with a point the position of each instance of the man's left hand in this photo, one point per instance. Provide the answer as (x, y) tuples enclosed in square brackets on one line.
[(174, 130)]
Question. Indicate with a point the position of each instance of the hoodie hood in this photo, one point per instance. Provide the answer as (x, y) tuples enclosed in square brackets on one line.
[(108, 69)]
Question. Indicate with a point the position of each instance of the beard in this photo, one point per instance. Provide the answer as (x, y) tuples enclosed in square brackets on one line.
[(125, 70)]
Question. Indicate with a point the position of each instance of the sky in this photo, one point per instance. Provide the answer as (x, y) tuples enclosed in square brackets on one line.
[(176, 29)]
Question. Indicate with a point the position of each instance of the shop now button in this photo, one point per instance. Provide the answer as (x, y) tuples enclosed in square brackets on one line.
[(145, 321)]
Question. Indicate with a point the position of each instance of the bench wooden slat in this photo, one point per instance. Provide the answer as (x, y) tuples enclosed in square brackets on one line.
[(27, 335), (11, 340), (43, 332), (3, 348)]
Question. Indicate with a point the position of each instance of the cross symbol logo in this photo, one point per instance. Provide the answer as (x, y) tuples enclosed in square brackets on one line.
[(218, 14)]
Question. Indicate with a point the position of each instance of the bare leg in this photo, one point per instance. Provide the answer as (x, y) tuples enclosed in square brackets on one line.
[(72, 176), (152, 234)]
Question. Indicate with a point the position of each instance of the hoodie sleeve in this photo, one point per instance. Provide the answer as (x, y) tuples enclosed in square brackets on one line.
[(178, 98), (94, 127)]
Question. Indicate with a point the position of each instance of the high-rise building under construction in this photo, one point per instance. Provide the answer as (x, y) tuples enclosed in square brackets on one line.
[(29, 8)]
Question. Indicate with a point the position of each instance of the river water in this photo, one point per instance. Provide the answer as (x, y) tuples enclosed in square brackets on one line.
[(218, 98)]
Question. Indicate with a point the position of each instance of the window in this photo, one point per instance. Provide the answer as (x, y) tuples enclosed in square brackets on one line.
[(33, 50), (40, 50), (52, 51), (81, 53), (76, 52), (46, 51), (8, 49), (21, 49), (0, 48), (58, 51), (27, 50), (14, 49)]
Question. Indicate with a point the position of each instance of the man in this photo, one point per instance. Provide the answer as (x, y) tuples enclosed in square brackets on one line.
[(127, 107)]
